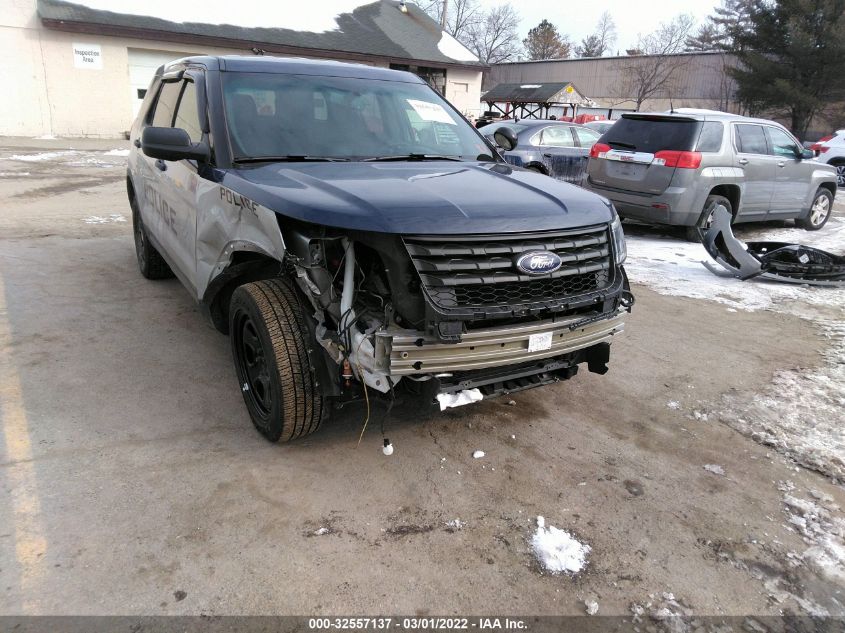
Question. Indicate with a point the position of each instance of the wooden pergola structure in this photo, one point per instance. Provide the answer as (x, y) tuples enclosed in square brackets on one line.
[(533, 101)]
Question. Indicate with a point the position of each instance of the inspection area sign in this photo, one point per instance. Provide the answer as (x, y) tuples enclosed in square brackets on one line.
[(88, 56)]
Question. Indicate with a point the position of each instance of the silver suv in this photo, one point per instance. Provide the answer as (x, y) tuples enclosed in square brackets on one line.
[(675, 168)]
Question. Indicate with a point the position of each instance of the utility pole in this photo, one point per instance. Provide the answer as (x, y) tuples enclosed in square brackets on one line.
[(443, 14)]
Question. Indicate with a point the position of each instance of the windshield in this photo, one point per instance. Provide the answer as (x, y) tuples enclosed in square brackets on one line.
[(652, 134), (274, 115)]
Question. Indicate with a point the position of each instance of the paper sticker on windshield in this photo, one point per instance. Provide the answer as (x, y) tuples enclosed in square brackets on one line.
[(431, 111)]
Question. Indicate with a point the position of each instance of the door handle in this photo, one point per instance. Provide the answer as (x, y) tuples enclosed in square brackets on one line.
[(547, 155), (781, 164), (743, 161), (137, 142), (161, 165)]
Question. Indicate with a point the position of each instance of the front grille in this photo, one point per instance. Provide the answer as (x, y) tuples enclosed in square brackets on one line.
[(480, 271)]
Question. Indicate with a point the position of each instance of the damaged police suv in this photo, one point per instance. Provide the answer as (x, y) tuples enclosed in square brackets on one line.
[(355, 236)]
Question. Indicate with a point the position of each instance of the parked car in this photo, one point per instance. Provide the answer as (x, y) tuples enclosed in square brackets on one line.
[(831, 150), (676, 168), (554, 148), (356, 236), (600, 126)]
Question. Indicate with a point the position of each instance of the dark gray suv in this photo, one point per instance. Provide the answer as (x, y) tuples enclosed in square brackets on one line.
[(674, 168)]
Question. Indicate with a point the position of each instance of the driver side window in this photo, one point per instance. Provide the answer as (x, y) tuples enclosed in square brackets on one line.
[(782, 144), (187, 115), (166, 104)]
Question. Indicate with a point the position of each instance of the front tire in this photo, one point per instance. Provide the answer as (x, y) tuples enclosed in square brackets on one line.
[(820, 211), (270, 344), (150, 261), (693, 232)]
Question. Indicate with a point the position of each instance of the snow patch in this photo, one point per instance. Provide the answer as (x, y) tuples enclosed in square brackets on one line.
[(35, 158), (478, 454), (117, 152), (454, 525), (715, 469), (317, 17), (823, 532), (557, 550), (451, 47), (100, 219)]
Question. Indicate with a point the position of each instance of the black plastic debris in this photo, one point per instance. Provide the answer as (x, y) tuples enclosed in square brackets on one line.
[(775, 261)]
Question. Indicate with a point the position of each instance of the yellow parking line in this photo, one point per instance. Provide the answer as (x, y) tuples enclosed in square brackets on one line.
[(30, 542)]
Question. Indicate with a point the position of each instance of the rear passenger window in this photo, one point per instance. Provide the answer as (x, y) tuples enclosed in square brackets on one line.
[(710, 139), (751, 139), (166, 104), (187, 116), (586, 136), (558, 136)]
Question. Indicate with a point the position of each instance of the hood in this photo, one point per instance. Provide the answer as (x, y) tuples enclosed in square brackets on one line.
[(432, 198)]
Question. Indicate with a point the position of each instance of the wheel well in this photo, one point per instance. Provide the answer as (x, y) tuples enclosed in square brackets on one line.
[(830, 187), (731, 192), (538, 166), (130, 189), (245, 266)]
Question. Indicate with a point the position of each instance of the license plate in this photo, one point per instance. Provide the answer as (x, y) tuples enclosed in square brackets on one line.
[(539, 342)]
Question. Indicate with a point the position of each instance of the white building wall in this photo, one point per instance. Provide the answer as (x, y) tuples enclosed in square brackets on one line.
[(46, 94), (463, 90)]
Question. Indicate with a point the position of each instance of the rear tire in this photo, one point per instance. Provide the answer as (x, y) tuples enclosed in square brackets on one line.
[(706, 219), (150, 261), (820, 211), (270, 346)]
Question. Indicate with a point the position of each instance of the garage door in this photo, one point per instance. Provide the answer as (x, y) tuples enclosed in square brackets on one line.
[(142, 66)]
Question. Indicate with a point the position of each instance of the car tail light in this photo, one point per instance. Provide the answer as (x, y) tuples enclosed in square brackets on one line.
[(681, 160), (818, 147), (599, 150)]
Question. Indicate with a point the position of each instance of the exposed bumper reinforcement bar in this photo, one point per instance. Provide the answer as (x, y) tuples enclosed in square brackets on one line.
[(409, 352)]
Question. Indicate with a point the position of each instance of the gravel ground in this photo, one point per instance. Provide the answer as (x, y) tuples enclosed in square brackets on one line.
[(134, 483)]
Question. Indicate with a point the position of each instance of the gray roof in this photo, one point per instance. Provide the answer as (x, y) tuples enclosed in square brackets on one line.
[(378, 29), (530, 93)]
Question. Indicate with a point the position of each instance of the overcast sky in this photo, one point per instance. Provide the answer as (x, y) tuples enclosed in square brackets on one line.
[(578, 18)]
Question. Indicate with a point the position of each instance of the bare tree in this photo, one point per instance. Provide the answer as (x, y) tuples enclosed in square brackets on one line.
[(655, 70), (601, 40), (494, 38), (606, 32), (461, 16)]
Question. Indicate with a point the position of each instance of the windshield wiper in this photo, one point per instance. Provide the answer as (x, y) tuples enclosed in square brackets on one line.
[(411, 157), (289, 159)]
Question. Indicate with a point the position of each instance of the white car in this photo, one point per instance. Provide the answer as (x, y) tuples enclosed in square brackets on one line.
[(831, 150)]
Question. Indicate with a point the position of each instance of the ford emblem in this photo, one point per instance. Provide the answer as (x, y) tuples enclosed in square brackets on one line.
[(538, 263)]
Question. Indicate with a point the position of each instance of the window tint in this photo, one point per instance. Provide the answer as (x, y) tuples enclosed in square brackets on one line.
[(586, 136), (710, 139), (557, 136), (187, 116), (782, 143), (166, 104), (650, 134), (751, 139)]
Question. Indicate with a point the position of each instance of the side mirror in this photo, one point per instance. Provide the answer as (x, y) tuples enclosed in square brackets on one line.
[(172, 143), (806, 154), (505, 138)]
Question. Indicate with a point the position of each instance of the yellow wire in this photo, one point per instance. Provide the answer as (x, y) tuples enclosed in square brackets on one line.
[(366, 394)]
